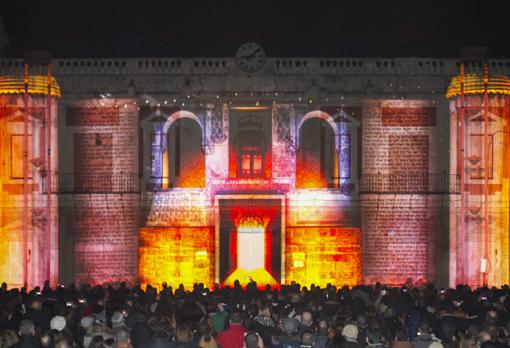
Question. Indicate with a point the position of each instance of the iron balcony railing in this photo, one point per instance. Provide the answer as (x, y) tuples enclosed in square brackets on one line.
[(94, 183), (418, 183)]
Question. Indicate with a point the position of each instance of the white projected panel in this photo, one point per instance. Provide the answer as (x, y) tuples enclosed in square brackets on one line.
[(250, 247)]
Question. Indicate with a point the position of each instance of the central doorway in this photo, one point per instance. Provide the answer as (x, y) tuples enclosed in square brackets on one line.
[(250, 239)]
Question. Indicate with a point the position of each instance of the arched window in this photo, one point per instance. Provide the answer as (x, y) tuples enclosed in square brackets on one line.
[(316, 159), (183, 160)]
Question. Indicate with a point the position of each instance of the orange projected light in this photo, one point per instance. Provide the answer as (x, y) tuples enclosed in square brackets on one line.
[(193, 170), (251, 255), (308, 173), (177, 255), (321, 255)]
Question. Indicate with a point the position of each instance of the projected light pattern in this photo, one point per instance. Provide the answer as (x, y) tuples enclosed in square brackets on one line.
[(308, 174), (470, 243), (250, 247), (250, 173), (176, 255), (322, 255), (28, 242), (251, 254)]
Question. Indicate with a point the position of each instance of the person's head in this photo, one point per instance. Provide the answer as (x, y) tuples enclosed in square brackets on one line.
[(265, 310), (207, 341), (251, 340), (424, 328), (361, 320), (58, 323), (46, 341), (467, 342), (123, 345), (36, 305), (26, 328), (182, 334), (307, 318), (307, 338), (491, 317), (86, 322), (64, 343), (122, 336), (8, 338), (323, 328), (350, 332), (493, 331), (289, 325), (96, 342), (483, 337), (235, 318)]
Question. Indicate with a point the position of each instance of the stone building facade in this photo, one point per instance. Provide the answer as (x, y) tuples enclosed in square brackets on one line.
[(334, 170)]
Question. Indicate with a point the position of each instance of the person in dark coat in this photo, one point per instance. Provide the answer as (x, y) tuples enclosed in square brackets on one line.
[(40, 319), (424, 337), (290, 338), (27, 335)]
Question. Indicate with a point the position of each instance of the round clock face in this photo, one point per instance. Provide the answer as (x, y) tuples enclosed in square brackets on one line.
[(250, 57)]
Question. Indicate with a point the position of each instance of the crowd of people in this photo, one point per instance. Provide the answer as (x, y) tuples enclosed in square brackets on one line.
[(292, 316)]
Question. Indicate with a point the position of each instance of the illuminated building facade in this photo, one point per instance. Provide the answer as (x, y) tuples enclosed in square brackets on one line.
[(315, 170)]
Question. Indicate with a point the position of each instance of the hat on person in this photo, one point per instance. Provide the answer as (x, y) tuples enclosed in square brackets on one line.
[(350, 331), (58, 323), (86, 322)]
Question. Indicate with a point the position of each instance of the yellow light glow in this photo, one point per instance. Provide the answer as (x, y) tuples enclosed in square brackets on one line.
[(37, 84), (299, 264), (261, 276), (474, 84), (201, 256)]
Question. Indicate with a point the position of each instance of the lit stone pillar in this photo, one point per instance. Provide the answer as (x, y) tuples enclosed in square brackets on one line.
[(37, 254), (468, 242), (101, 184)]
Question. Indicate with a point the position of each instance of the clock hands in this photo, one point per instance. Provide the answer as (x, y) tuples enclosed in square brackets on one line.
[(250, 56)]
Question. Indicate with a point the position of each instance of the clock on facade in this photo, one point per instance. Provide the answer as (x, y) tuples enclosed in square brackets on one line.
[(250, 57)]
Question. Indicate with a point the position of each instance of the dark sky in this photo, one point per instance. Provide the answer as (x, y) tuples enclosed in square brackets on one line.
[(285, 28)]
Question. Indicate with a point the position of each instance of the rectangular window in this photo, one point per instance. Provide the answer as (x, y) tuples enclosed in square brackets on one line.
[(251, 161)]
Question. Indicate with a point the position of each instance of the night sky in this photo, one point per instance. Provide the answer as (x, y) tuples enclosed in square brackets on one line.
[(385, 28)]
